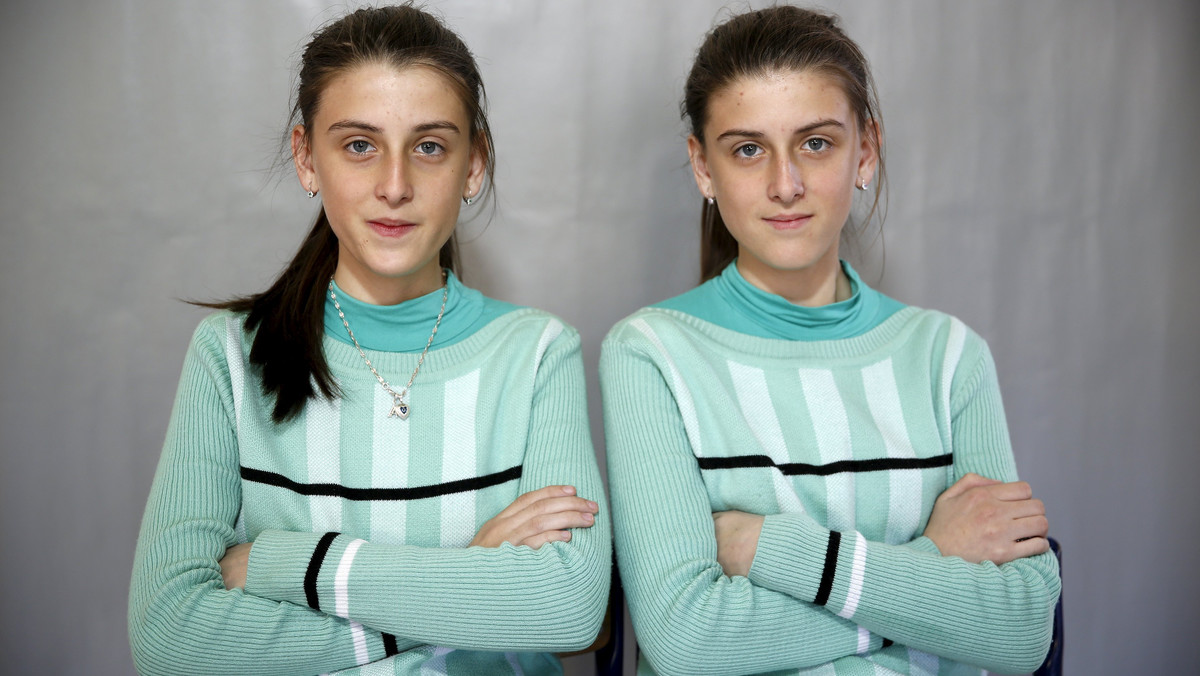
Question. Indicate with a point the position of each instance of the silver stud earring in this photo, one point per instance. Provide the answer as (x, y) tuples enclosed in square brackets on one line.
[(711, 200), (468, 200), (311, 194), (862, 186)]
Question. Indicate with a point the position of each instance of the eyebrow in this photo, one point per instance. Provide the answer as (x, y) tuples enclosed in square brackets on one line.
[(359, 125), (746, 133)]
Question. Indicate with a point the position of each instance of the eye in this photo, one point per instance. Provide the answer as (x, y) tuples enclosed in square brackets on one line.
[(816, 144), (430, 148), (748, 150), (359, 147)]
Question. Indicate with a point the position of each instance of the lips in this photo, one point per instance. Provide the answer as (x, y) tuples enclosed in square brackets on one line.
[(388, 227), (789, 221)]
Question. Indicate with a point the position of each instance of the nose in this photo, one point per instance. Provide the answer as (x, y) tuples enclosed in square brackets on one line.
[(786, 183), (393, 186)]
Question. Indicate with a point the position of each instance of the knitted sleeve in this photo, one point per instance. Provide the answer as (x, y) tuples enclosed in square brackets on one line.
[(506, 598), (996, 617), (689, 617), (182, 620)]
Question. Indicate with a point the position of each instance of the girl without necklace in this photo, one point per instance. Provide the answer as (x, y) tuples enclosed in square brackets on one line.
[(369, 462), (804, 472)]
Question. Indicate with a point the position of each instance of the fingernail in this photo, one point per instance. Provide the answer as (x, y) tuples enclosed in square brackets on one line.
[(588, 517), (569, 490), (566, 535), (593, 505)]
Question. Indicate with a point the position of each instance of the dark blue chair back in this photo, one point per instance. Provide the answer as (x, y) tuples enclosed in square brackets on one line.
[(610, 657), (1053, 664)]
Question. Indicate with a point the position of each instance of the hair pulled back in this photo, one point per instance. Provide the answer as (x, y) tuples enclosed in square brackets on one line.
[(759, 43), (289, 316)]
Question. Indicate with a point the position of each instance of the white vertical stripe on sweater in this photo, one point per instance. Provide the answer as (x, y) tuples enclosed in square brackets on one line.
[(864, 641), (341, 596), (234, 358), (857, 571), (954, 349), (904, 486), (341, 580), (922, 663), (237, 379), (552, 331), (322, 420), (389, 469), (832, 429), (683, 397), (436, 664), (458, 458), (750, 384)]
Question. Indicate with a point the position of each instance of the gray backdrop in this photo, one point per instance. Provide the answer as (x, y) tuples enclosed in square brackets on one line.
[(1042, 189)]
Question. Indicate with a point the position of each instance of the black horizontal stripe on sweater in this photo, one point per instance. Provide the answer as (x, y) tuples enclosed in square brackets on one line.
[(803, 468), (408, 493)]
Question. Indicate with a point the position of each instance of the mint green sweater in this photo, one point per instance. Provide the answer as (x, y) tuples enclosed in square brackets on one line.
[(360, 522), (842, 425)]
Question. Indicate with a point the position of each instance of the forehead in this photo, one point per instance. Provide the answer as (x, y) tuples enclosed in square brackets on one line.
[(381, 93), (778, 101)]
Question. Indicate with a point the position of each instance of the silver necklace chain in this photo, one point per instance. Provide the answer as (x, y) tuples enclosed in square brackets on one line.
[(400, 408)]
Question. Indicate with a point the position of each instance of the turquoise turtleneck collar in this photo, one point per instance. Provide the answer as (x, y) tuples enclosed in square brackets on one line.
[(731, 302), (406, 327)]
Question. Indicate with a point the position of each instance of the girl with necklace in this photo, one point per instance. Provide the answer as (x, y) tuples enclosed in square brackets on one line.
[(370, 463), (805, 473)]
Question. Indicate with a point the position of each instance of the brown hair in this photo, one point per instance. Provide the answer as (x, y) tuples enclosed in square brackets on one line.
[(289, 316), (764, 41)]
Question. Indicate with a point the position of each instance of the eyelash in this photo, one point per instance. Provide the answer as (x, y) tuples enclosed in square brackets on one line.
[(437, 148), (807, 145), (427, 148), (738, 151)]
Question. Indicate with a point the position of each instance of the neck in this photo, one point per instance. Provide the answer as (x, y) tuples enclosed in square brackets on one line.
[(378, 290), (819, 284)]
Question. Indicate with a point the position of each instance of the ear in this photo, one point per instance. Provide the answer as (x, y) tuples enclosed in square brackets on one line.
[(302, 158), (699, 166), (872, 141), (477, 166)]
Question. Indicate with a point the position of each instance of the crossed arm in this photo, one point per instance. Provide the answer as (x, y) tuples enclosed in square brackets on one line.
[(691, 617), (549, 542)]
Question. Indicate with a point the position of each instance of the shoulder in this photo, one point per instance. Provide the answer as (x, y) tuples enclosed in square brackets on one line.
[(650, 323), (958, 353), (218, 332), (519, 328)]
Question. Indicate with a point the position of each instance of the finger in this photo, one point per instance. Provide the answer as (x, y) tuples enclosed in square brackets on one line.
[(526, 499), (557, 504), (1016, 490), (553, 522), (1030, 547), (1030, 527), (965, 483), (1020, 509), (536, 541)]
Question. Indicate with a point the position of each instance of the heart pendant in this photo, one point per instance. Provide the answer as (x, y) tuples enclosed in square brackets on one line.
[(399, 410)]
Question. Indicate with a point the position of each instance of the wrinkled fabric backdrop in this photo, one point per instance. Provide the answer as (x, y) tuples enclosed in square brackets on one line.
[(1041, 160)]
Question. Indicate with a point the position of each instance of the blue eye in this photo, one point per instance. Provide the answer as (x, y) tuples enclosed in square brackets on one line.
[(816, 144), (429, 148), (359, 147), (748, 150)]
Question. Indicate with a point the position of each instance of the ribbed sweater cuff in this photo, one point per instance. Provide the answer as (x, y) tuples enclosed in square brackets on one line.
[(791, 555), (287, 566)]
